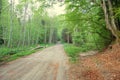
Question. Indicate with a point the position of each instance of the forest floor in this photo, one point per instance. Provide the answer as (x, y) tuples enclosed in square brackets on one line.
[(48, 64), (102, 66)]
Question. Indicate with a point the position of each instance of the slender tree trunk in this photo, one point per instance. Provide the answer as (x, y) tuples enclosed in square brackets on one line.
[(51, 35), (24, 20), (68, 38), (37, 40), (11, 23), (45, 36), (20, 33), (0, 7), (34, 38), (28, 41)]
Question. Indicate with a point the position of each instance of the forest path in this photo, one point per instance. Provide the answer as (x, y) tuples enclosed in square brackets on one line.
[(48, 64)]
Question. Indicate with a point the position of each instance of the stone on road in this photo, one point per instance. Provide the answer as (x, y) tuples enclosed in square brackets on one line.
[(48, 64)]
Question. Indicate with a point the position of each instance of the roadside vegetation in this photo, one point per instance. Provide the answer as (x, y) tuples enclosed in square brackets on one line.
[(88, 27), (74, 51), (9, 54), (23, 28), (93, 25)]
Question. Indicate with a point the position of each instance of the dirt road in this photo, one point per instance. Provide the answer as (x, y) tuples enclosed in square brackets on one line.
[(48, 64)]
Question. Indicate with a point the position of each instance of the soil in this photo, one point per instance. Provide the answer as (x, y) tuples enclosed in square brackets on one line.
[(102, 66)]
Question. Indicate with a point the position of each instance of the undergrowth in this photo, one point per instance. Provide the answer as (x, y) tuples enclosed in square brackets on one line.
[(74, 51), (9, 54)]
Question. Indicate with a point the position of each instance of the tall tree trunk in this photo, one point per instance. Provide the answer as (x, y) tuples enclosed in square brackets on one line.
[(114, 27), (11, 24), (29, 28), (110, 22), (24, 21), (0, 7)]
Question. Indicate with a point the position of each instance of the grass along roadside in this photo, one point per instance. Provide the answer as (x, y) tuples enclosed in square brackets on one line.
[(9, 54), (73, 51)]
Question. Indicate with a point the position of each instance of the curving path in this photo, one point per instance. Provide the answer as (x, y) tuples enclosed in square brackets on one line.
[(48, 64)]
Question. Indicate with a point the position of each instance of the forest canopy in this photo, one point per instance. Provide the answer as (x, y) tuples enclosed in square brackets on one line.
[(91, 24)]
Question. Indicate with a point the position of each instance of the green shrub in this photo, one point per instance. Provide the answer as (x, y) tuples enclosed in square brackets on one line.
[(74, 51), (8, 54)]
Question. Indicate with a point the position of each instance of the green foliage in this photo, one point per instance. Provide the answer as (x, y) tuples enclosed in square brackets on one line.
[(11, 51), (0, 6), (21, 54), (84, 19), (86, 22), (22, 29), (74, 51), (6, 52), (83, 25), (9, 54)]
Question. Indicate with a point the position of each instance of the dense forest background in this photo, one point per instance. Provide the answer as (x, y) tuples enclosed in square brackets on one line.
[(89, 24)]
